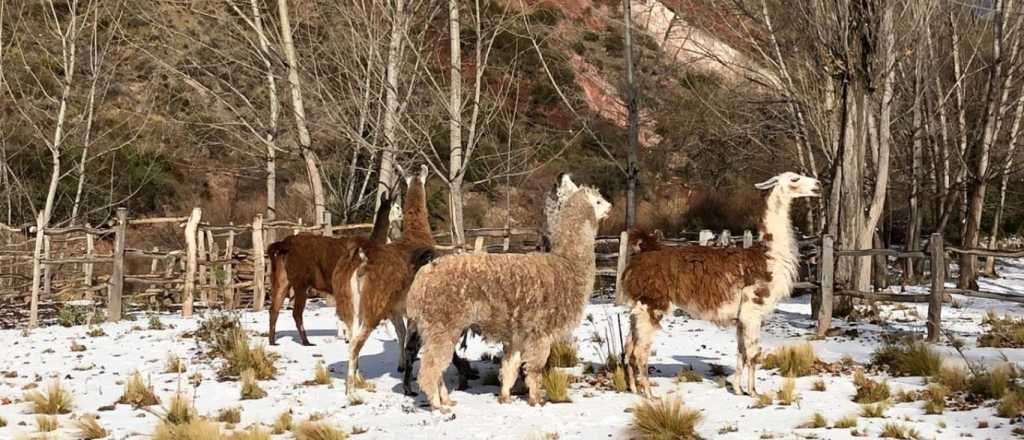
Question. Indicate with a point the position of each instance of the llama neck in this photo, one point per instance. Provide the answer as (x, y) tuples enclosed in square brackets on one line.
[(417, 226), (783, 257)]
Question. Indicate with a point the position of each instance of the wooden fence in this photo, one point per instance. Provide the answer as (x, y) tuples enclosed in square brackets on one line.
[(936, 257)]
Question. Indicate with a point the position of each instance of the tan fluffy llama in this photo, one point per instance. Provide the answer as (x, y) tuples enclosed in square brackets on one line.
[(727, 286), (306, 261), (523, 301), (372, 286)]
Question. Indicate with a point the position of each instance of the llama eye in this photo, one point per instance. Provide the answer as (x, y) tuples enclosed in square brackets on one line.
[(795, 179)]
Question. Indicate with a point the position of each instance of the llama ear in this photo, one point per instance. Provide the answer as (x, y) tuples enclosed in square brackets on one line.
[(767, 184), (424, 173), (566, 186)]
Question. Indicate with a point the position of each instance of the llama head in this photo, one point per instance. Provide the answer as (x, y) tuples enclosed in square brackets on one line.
[(792, 185), (423, 175), (567, 189)]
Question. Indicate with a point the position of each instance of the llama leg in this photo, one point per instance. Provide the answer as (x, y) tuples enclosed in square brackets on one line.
[(359, 337), (751, 348), (400, 334), (628, 355), (298, 305), (509, 372), (741, 359), (437, 351), (644, 325), (411, 349), (279, 291), (536, 357)]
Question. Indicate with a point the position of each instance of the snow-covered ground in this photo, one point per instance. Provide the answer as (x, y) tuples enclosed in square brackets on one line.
[(94, 377)]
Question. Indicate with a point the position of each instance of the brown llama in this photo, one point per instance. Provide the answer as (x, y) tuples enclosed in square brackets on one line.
[(306, 261), (524, 301), (725, 286), (373, 285)]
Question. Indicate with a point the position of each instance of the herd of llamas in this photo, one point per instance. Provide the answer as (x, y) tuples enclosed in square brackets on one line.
[(526, 302)]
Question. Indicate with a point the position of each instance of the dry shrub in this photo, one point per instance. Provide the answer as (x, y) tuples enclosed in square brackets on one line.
[(562, 355), (76, 347), (619, 379), (252, 433), (220, 331), (936, 399), (686, 375), (138, 393), (241, 356), (897, 431), (1003, 332), (763, 400), (230, 415), (89, 428), (196, 429), (318, 431), (993, 383), (556, 386), (874, 410), (174, 364), (953, 378), (665, 418), (869, 391), (849, 421), (250, 388), (283, 423), (57, 400), (792, 360), (819, 385), (1011, 405), (909, 358), (47, 423), (818, 421), (320, 374), (787, 394), (180, 411)]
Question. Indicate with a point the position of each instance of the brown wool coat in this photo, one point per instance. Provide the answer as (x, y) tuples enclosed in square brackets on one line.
[(698, 279)]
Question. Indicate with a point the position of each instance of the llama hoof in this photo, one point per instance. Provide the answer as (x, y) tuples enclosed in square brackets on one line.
[(449, 403), (308, 344), (504, 399), (410, 393), (537, 402), (401, 369)]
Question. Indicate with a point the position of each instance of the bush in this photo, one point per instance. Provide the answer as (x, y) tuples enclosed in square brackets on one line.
[(230, 415), (47, 423), (819, 385), (3, 422), (76, 347), (787, 394), (893, 430), (320, 374), (846, 422), (665, 418), (241, 356), (994, 383), (874, 410), (1011, 405), (818, 421), (174, 364), (57, 400), (936, 402), (250, 388), (138, 393), (71, 315), (869, 391), (562, 355), (910, 358), (1003, 332), (180, 412), (792, 360), (556, 386), (953, 378), (317, 431), (619, 379), (220, 331), (195, 429), (88, 428), (252, 433), (283, 423)]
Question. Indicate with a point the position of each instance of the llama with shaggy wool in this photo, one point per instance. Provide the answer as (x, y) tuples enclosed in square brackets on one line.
[(727, 286), (306, 261), (524, 301)]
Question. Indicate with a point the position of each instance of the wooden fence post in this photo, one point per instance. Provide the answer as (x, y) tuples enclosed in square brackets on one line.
[(705, 237), (191, 265), (154, 263), (478, 246), (201, 268), (328, 231), (229, 272), (725, 240), (826, 266), (621, 267), (259, 292), (213, 276), (47, 272), (116, 291), (938, 255), (90, 252), (37, 274), (748, 239)]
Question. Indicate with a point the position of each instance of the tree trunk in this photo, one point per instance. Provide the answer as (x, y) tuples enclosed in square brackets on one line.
[(455, 160), (1015, 130), (387, 178), (270, 138), (633, 130), (299, 110)]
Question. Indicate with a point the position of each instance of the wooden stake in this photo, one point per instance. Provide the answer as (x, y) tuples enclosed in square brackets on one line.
[(259, 263), (37, 273), (620, 297), (826, 279), (938, 287), (114, 309), (191, 265)]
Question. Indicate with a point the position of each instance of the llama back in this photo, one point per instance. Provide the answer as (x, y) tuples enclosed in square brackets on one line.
[(705, 282), (506, 295)]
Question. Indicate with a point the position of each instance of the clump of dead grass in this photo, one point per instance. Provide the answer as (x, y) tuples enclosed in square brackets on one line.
[(935, 402), (665, 418), (897, 431), (46, 423), (137, 392), (562, 355), (868, 390), (908, 358), (88, 427), (1003, 332), (556, 386), (56, 400), (787, 394), (250, 387), (792, 360), (318, 431)]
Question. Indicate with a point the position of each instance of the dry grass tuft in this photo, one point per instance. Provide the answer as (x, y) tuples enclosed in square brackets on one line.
[(174, 364), (869, 391), (874, 410), (1011, 405), (76, 347), (818, 421), (687, 375), (993, 383), (320, 374), (763, 400), (242, 356), (893, 430), (89, 428), (787, 394), (556, 386), (230, 415), (953, 378), (847, 422), (665, 418), (3, 422), (250, 388), (1003, 332), (619, 379), (283, 423), (936, 399), (252, 433), (318, 431), (909, 358), (138, 393), (819, 385), (562, 355), (57, 400), (47, 423), (792, 360), (362, 384), (195, 429), (180, 411)]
